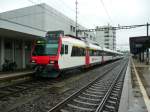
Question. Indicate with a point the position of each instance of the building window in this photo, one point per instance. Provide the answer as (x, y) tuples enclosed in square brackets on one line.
[(72, 28), (106, 43), (114, 32), (91, 37), (106, 35), (106, 39), (85, 34), (107, 31), (79, 32)]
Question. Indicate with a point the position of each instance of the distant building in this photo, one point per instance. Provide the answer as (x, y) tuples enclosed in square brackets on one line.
[(106, 38)]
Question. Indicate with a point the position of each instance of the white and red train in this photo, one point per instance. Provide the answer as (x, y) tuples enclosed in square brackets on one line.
[(57, 53)]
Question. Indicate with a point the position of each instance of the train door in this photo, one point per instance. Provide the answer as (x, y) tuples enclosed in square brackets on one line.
[(65, 56), (87, 57), (103, 56)]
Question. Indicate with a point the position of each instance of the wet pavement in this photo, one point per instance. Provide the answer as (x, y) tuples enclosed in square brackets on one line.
[(144, 73), (140, 75), (133, 97)]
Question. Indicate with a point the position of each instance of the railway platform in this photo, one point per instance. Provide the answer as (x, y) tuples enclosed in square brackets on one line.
[(10, 76), (136, 90)]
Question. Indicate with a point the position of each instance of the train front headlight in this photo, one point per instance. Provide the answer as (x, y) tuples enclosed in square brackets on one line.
[(32, 61), (51, 62)]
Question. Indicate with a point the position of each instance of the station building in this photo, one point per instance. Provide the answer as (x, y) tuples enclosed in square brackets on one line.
[(20, 27)]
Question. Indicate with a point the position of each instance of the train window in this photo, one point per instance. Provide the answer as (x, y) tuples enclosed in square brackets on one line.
[(94, 52), (66, 49), (76, 51), (82, 51), (73, 53), (100, 53), (74, 29), (62, 49), (91, 52)]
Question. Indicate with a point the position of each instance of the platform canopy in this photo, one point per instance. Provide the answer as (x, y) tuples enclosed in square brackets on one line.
[(16, 30), (139, 44)]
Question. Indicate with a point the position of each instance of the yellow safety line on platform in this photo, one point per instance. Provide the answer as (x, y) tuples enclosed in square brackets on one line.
[(143, 91)]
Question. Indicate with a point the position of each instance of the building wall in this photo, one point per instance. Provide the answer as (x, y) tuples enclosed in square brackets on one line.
[(28, 46), (32, 16), (44, 17), (106, 38), (100, 38), (0, 53)]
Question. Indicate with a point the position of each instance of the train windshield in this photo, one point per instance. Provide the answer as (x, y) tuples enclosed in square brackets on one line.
[(49, 46), (43, 49)]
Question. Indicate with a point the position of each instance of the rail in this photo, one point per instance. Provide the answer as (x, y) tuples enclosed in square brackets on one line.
[(62, 104)]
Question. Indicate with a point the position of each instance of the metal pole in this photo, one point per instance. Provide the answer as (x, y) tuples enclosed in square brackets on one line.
[(147, 50), (147, 29), (76, 18), (143, 56)]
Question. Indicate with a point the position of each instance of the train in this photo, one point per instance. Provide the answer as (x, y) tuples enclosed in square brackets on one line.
[(57, 53)]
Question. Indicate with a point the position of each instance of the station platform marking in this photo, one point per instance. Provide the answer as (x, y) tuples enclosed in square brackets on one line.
[(143, 91)]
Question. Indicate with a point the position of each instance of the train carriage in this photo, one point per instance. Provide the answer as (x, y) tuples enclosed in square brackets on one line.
[(57, 53), (74, 52)]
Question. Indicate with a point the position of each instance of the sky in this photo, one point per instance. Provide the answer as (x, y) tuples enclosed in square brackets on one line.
[(92, 13)]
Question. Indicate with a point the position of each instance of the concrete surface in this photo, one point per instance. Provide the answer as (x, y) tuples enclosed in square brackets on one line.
[(134, 97)]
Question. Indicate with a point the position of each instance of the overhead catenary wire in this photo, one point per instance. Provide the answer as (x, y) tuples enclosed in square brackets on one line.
[(106, 11), (62, 2)]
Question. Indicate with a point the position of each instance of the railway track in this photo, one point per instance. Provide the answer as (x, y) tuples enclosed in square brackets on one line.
[(11, 90), (101, 95), (8, 94), (18, 88)]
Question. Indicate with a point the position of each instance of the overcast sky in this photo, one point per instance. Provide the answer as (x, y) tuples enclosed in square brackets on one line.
[(92, 13)]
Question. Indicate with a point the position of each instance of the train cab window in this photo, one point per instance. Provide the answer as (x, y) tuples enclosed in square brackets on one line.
[(66, 49), (62, 49)]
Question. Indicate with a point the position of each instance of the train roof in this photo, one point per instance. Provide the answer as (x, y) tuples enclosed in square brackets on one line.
[(74, 41), (93, 46), (111, 51), (80, 43)]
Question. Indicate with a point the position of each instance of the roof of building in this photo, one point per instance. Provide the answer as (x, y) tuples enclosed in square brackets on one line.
[(139, 44)]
